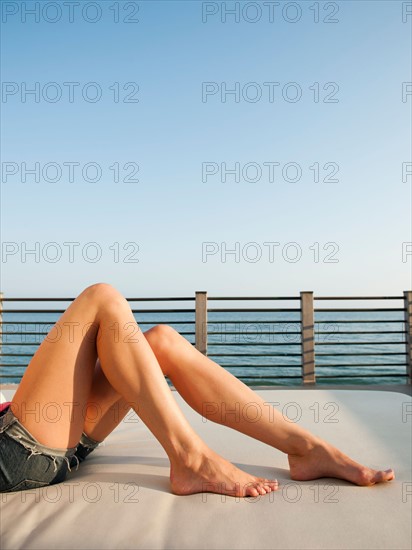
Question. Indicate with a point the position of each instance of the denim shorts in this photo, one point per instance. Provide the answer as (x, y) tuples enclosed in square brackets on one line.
[(27, 464)]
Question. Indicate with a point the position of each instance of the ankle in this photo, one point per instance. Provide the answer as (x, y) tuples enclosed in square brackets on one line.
[(188, 457), (303, 445), (183, 447)]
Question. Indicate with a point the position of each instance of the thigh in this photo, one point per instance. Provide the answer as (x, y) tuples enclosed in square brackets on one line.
[(50, 399)]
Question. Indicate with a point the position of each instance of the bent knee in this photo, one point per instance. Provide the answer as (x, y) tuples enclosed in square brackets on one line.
[(160, 337), (99, 287), (102, 292)]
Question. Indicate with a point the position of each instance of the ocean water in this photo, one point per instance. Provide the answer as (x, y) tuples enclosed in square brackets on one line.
[(255, 336)]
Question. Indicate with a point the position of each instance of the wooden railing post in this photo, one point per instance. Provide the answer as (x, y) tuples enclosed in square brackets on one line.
[(307, 318), (201, 321), (407, 297)]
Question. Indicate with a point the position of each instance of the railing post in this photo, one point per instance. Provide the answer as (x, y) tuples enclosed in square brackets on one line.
[(308, 337), (201, 321), (407, 297)]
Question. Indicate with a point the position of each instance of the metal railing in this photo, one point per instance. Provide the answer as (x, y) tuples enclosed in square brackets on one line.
[(293, 346)]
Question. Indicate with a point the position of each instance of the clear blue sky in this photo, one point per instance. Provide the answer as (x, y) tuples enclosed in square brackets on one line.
[(172, 131)]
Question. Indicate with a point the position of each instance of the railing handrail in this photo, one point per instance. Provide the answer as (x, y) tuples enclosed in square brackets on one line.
[(48, 299), (184, 298)]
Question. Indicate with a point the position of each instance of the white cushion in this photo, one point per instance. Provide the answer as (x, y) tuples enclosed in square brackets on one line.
[(120, 498)]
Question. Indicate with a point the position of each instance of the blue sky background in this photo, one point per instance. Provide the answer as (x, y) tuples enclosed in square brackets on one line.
[(170, 132)]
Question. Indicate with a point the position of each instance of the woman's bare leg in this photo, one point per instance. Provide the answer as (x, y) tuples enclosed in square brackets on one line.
[(219, 396), (99, 323), (105, 407)]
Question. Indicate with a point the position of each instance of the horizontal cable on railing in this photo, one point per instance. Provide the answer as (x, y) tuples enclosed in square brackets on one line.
[(252, 310), (173, 299), (298, 365), (250, 332), (291, 365), (240, 298), (363, 375), (254, 344), (252, 321), (45, 334), (12, 365), (257, 377), (358, 297), (359, 343), (5, 344), (360, 332), (163, 322), (6, 299), (361, 353), (286, 354), (16, 354), (153, 322), (333, 310), (359, 321), (133, 310), (320, 365)]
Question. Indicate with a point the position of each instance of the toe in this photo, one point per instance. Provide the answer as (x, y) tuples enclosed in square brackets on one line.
[(386, 475), (366, 476), (390, 474), (252, 492), (274, 484), (261, 489)]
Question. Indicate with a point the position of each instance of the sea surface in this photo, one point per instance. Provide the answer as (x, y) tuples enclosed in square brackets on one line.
[(255, 336)]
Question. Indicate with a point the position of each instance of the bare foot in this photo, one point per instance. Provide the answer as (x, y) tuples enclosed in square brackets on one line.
[(210, 473), (324, 460)]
